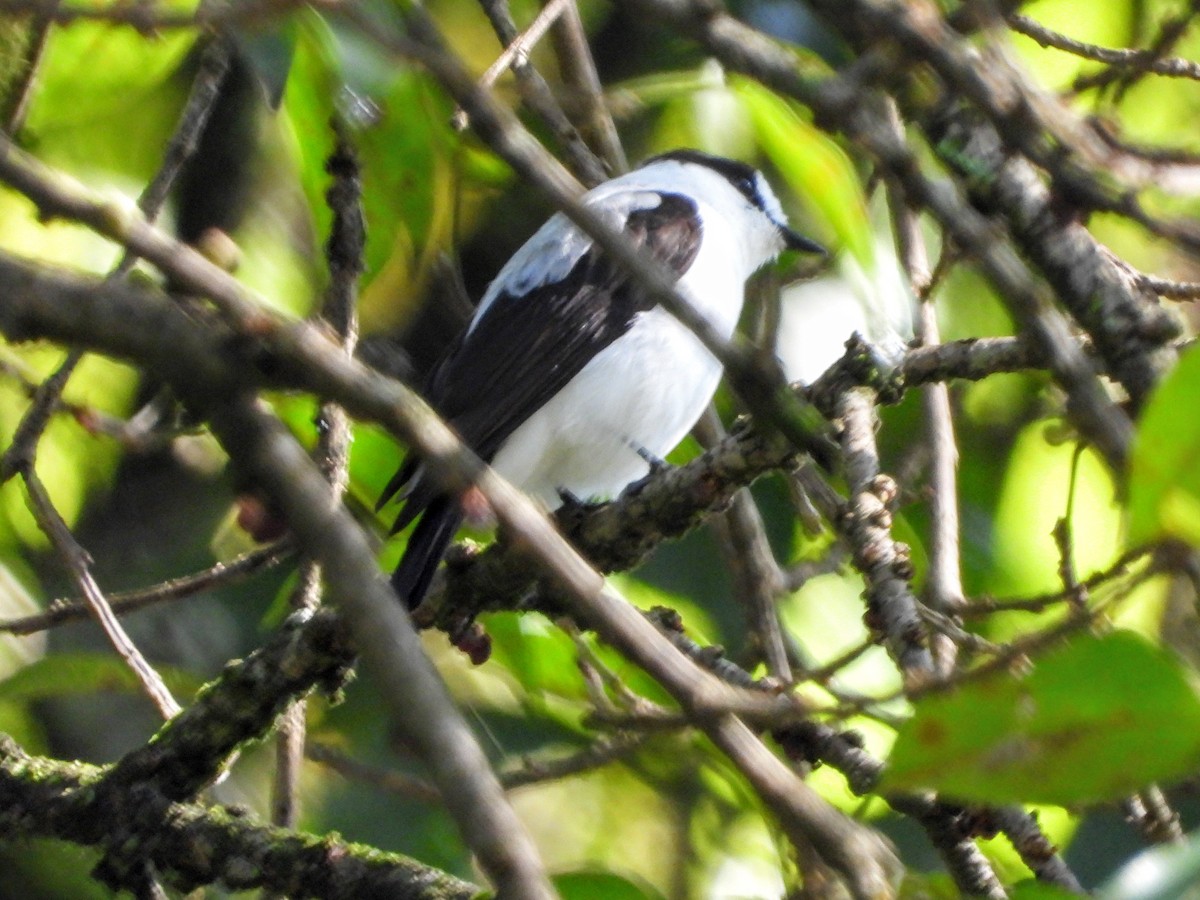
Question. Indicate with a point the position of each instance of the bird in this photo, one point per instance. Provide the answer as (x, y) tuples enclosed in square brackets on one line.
[(569, 379)]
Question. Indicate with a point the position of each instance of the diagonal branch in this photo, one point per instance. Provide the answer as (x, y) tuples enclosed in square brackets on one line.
[(196, 845)]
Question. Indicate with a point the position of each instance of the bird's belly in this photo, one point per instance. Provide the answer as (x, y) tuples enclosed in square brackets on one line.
[(642, 392)]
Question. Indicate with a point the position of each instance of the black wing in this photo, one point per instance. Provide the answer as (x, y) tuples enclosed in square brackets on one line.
[(525, 349)]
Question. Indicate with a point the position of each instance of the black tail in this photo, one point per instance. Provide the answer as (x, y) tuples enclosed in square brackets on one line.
[(426, 546)]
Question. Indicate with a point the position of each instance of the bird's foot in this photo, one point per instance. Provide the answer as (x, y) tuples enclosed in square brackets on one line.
[(572, 509), (569, 501), (656, 463)]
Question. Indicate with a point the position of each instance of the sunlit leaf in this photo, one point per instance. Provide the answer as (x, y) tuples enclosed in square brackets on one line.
[(602, 886), (1105, 24), (540, 656), (1164, 477), (107, 98), (17, 652), (20, 722), (921, 886), (1036, 493), (1093, 721), (86, 673), (1039, 890)]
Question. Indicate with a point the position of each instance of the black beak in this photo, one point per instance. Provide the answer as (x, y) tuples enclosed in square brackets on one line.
[(793, 240)]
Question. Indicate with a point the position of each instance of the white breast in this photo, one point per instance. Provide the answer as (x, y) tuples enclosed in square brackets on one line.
[(648, 388), (645, 390)]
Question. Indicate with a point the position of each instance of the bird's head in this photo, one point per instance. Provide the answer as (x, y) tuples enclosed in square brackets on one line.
[(762, 209)]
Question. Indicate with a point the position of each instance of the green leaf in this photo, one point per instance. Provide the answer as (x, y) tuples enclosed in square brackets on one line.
[(107, 99), (1039, 890), (21, 723), (602, 886), (1164, 477), (928, 886), (17, 601), (86, 673), (540, 656), (1093, 721)]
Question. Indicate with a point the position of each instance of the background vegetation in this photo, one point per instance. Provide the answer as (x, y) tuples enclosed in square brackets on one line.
[(960, 654)]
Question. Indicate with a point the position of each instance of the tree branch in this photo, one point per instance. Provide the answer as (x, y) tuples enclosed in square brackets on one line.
[(197, 846)]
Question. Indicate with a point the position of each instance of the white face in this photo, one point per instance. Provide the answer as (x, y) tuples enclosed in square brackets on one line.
[(758, 222), (770, 202)]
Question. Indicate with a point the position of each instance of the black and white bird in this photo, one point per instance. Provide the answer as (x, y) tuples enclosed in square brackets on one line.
[(569, 380)]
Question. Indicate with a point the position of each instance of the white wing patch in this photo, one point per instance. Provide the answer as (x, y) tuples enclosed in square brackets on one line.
[(556, 247)]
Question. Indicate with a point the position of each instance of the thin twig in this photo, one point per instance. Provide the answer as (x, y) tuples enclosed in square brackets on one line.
[(1128, 73), (983, 606), (76, 561), (943, 581), (523, 43), (384, 779), (540, 98), (866, 524), (185, 140), (59, 612), (1006, 656), (344, 251), (1171, 290), (799, 574), (830, 669), (20, 94), (1150, 812), (601, 752), (757, 579), (19, 454), (1145, 60), (579, 70)]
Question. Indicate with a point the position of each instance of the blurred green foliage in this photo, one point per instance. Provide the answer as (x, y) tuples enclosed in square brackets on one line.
[(1040, 739), (1164, 481)]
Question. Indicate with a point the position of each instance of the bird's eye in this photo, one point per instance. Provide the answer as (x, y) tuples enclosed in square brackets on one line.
[(747, 186)]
